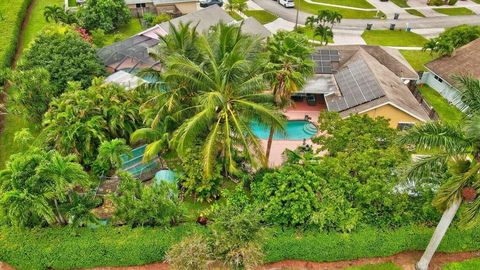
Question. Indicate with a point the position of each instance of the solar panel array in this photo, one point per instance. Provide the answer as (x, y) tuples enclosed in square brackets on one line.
[(323, 60), (357, 84)]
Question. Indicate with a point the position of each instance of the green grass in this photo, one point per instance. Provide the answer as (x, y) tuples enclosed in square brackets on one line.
[(37, 22), (393, 38), (348, 3), (11, 13), (134, 27), (262, 16), (472, 264), (72, 3), (447, 112), (346, 13), (380, 266), (417, 59), (235, 15), (458, 11), (415, 12), (308, 31), (400, 3), (476, 1)]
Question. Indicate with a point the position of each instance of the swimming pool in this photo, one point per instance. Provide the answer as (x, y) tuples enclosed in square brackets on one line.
[(295, 130)]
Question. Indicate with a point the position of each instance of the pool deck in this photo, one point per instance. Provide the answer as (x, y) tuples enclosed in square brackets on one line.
[(296, 112)]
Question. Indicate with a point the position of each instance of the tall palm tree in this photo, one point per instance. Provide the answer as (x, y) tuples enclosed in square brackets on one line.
[(236, 5), (230, 87), (289, 64), (325, 33), (456, 151)]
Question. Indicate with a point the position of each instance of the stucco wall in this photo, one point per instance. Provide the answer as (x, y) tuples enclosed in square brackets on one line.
[(393, 114), (448, 92)]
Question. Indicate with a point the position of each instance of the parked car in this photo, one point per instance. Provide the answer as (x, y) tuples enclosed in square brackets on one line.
[(287, 3), (207, 3)]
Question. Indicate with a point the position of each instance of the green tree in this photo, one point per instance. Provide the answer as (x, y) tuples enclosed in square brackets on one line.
[(109, 157), (78, 121), (140, 205), (323, 24), (456, 156), (453, 38), (33, 93), (66, 57), (288, 66), (58, 14), (36, 188), (236, 5), (108, 15), (229, 87)]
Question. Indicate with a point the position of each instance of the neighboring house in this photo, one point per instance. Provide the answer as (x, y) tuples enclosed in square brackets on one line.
[(132, 54), (440, 72), (175, 7), (368, 80)]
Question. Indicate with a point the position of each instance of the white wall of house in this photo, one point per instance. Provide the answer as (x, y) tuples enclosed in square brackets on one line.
[(449, 92)]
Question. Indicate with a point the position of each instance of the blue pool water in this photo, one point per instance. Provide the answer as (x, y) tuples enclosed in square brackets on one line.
[(294, 130)]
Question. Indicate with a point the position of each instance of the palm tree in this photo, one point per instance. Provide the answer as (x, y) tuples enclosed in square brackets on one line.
[(54, 13), (64, 174), (289, 63), (456, 150), (230, 87), (325, 33), (110, 155), (236, 5)]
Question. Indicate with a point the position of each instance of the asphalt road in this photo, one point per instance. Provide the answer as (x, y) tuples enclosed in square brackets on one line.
[(289, 14)]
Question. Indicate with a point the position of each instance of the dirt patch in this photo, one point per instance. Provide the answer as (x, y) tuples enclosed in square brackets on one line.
[(406, 260)]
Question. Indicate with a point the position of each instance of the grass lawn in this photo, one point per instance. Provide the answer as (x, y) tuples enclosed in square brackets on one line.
[(348, 3), (235, 15), (134, 27), (380, 266), (455, 11), (262, 16), (400, 3), (415, 12), (393, 38), (308, 31), (472, 264), (11, 16), (346, 13), (447, 113), (417, 59), (37, 22)]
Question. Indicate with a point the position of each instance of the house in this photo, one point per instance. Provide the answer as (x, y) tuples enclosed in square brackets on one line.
[(133, 54), (365, 79), (175, 7), (440, 72)]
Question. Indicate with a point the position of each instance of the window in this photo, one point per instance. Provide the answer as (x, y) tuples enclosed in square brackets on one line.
[(140, 5), (438, 78), (405, 125)]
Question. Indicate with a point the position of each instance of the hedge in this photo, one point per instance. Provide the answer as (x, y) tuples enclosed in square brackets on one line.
[(64, 248), (13, 13)]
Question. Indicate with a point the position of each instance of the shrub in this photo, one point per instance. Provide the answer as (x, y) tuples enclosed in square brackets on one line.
[(107, 15), (141, 205), (288, 196), (65, 55), (192, 253), (453, 38)]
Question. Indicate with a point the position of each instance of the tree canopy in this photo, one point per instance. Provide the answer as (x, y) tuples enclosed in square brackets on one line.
[(107, 15)]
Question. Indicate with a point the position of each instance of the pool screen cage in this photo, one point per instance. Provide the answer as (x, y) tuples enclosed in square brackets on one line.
[(129, 55)]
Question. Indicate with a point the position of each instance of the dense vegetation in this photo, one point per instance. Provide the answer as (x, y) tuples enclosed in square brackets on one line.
[(12, 14), (452, 38)]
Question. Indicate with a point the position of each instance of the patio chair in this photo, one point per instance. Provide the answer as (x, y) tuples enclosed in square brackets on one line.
[(311, 100)]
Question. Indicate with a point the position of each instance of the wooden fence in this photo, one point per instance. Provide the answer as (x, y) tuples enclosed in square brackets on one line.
[(427, 107)]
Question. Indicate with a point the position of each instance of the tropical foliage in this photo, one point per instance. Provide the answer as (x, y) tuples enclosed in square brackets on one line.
[(107, 15), (58, 14), (109, 156), (78, 121), (323, 24), (140, 205), (452, 38), (66, 57), (37, 189)]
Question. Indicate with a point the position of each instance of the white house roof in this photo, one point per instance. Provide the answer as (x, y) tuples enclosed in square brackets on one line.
[(125, 79)]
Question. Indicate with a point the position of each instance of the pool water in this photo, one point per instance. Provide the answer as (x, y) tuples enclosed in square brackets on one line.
[(294, 130)]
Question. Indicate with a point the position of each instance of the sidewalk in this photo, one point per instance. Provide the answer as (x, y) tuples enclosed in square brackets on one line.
[(390, 9)]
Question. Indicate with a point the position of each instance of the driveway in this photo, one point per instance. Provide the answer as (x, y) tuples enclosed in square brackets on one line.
[(359, 24)]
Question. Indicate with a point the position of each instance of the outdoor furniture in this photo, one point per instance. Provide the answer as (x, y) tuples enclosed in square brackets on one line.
[(298, 97), (311, 100)]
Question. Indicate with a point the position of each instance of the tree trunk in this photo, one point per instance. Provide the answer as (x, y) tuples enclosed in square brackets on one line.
[(437, 236), (269, 144), (59, 215)]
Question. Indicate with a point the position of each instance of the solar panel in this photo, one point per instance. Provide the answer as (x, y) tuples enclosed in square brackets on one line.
[(357, 85), (323, 60)]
